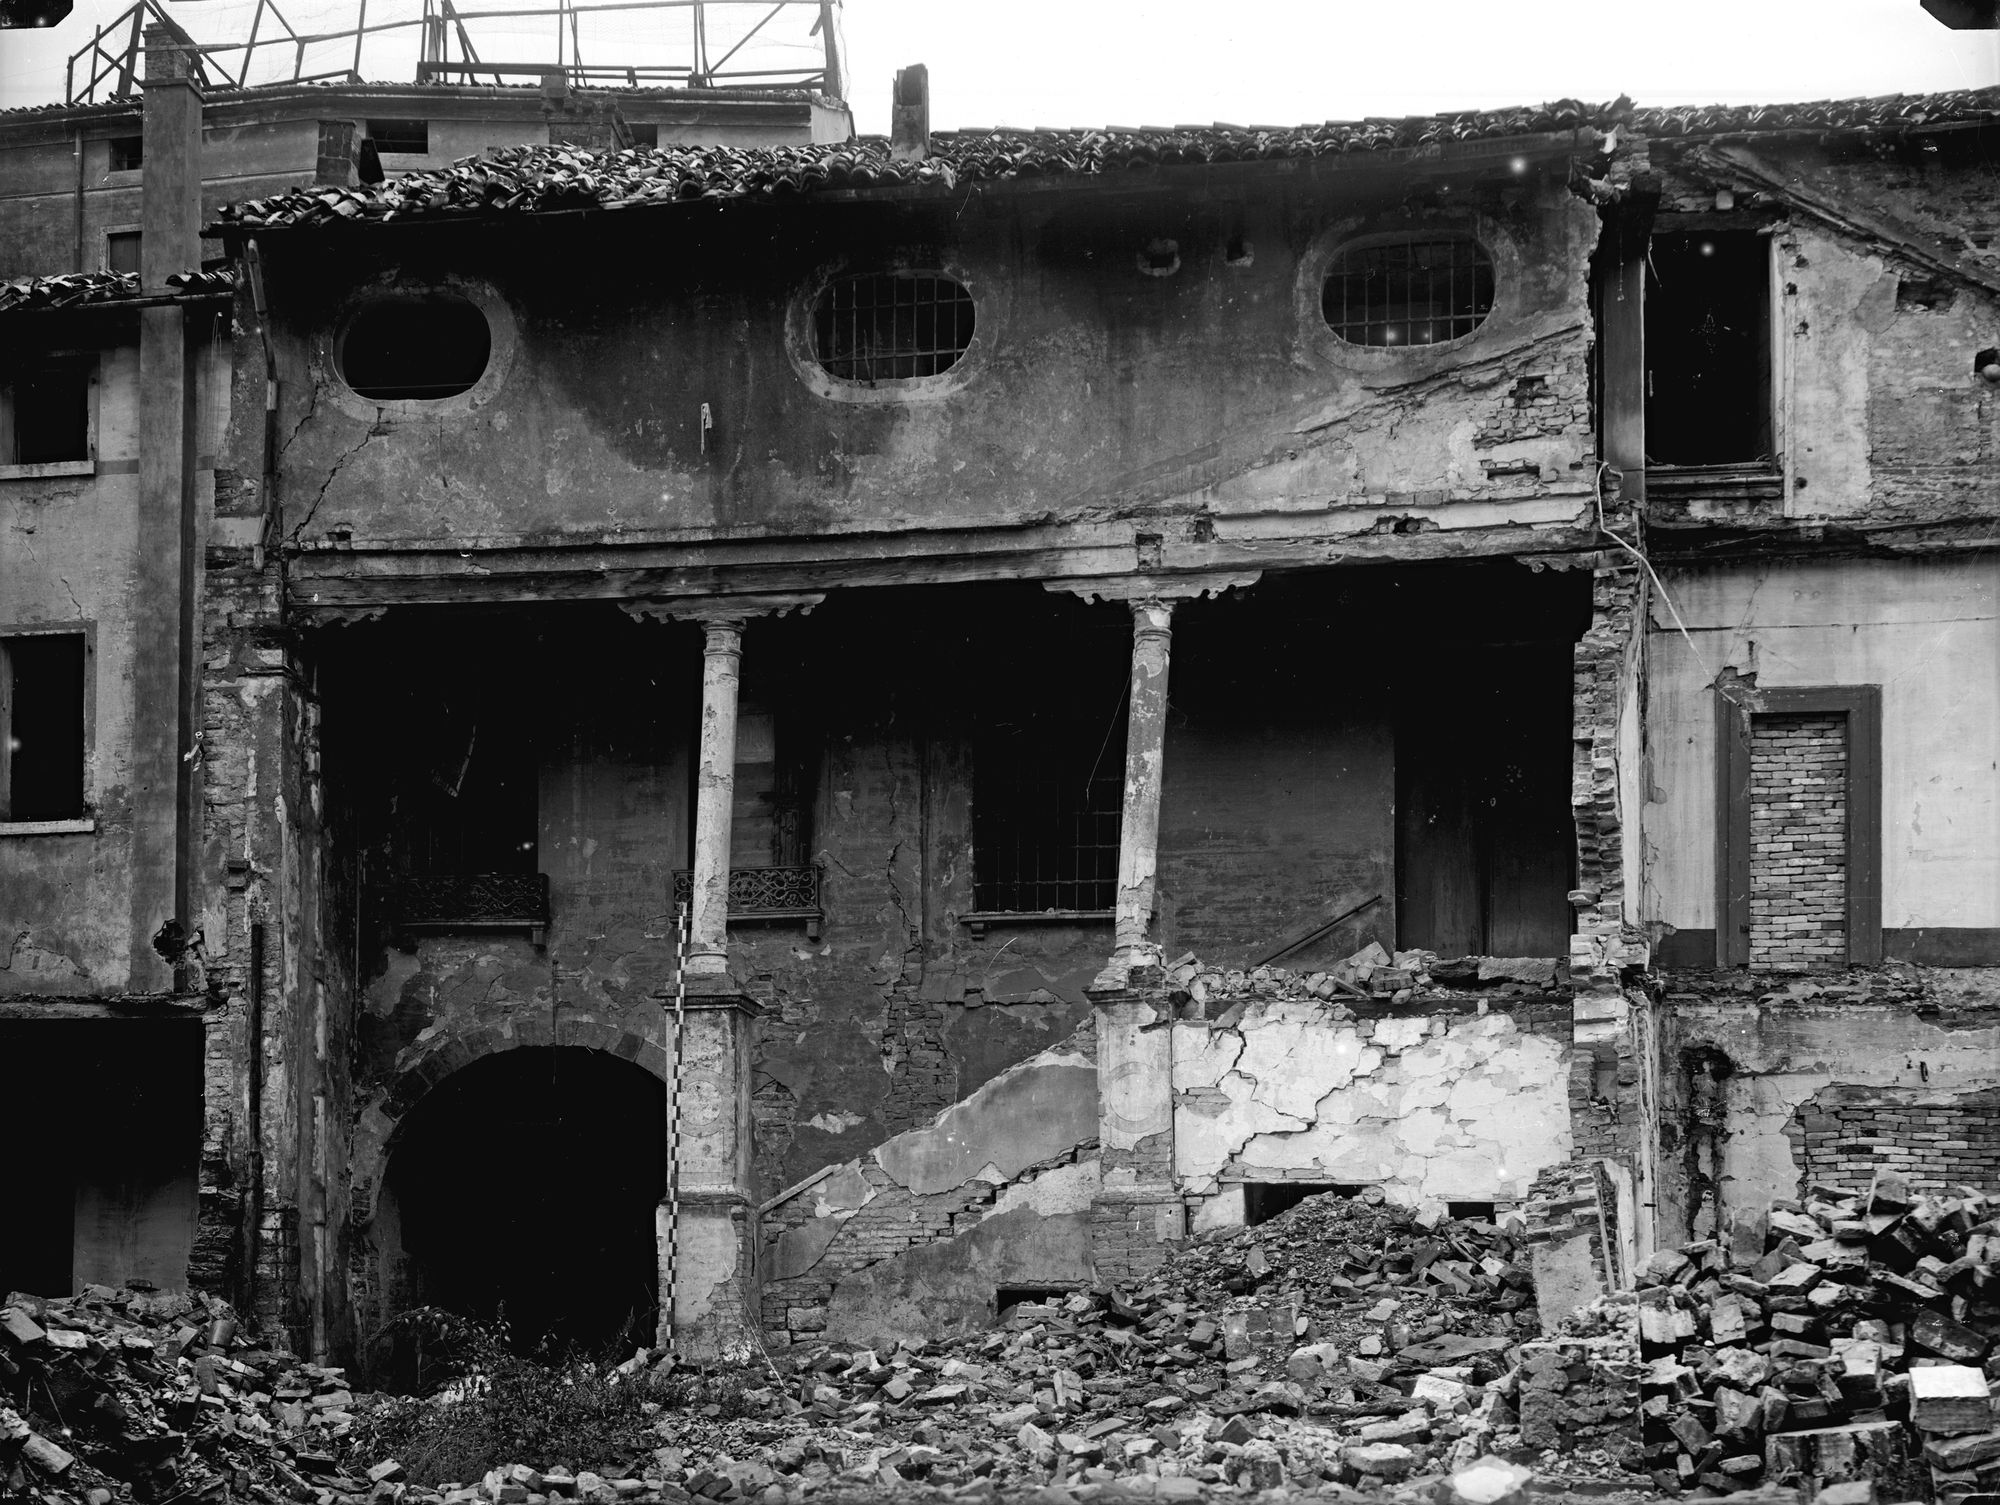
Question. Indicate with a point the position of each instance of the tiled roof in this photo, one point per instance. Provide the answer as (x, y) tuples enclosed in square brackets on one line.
[(544, 179), (75, 289)]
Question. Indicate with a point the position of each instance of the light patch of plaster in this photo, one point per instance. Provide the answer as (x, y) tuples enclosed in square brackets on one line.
[(1469, 1113), (835, 1123), (1067, 1188), (1031, 1112)]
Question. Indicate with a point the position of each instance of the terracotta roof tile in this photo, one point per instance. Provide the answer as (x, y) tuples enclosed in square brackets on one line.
[(544, 179), (75, 289)]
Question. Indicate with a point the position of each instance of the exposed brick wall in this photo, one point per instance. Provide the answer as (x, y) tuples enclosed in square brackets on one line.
[(1845, 1134), (1798, 841)]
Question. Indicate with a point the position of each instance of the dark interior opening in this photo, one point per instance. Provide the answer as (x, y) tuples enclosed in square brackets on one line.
[(103, 1120), (1264, 1200), (1048, 764), (526, 1186), (1006, 1296), (41, 719), (128, 153), (413, 347), (1708, 349), (1478, 1210), (1485, 836), (409, 137), (51, 405)]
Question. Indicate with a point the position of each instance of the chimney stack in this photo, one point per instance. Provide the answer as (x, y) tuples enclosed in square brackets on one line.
[(910, 119), (170, 193)]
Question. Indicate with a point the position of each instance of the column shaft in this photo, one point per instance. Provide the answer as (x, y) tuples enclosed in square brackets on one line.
[(715, 796), (1139, 829)]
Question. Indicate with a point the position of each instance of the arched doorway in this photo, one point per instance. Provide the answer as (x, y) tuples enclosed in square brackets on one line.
[(526, 1184)]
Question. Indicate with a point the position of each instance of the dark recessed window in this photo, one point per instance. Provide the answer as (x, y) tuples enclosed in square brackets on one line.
[(1708, 349), (411, 138), (1048, 786), (1408, 290), (45, 412), (644, 135), (402, 348), (891, 326), (41, 726), (128, 153), (121, 251)]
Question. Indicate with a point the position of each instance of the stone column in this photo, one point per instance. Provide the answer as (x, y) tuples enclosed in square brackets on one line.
[(1139, 823), (710, 1293), (1138, 1210), (715, 796)]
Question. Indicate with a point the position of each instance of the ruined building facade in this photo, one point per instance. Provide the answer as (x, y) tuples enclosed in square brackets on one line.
[(1004, 589)]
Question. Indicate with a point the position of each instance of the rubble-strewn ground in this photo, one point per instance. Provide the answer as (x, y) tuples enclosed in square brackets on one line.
[(1345, 1348), (1343, 1342)]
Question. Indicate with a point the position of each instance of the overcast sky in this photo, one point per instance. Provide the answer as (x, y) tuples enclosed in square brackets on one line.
[(1253, 62)]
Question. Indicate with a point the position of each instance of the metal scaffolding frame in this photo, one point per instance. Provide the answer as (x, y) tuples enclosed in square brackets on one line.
[(108, 67)]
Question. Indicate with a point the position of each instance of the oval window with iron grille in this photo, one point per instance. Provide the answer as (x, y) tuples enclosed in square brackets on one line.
[(415, 346), (891, 326), (1417, 289)]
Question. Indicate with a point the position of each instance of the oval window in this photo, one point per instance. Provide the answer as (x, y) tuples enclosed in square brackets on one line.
[(415, 347), (1408, 290), (891, 326)]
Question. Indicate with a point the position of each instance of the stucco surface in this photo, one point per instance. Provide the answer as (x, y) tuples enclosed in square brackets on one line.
[(1456, 1107)]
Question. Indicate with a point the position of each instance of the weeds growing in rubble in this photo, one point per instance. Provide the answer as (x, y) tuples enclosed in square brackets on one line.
[(479, 1404)]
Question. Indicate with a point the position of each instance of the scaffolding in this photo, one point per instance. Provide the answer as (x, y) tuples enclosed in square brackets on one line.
[(693, 44)]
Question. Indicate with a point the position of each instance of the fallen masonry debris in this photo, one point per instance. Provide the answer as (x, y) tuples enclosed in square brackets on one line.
[(1854, 1339), (1345, 1342), (1344, 1346)]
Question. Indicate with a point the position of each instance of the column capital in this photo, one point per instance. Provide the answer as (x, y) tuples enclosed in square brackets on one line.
[(719, 610), (1155, 590)]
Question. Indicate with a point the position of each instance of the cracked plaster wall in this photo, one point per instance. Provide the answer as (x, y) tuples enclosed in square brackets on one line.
[(1451, 1106)]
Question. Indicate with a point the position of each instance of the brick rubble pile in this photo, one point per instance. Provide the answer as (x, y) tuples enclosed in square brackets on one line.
[(1344, 1343), (1859, 1343)]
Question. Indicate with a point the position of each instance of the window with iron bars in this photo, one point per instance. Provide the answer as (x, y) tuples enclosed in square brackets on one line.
[(891, 326), (1408, 290), (1047, 790)]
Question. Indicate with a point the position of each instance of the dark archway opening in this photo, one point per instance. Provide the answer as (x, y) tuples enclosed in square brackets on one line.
[(526, 1187)]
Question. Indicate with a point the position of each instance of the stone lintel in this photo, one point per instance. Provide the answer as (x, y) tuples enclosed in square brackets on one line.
[(1156, 587), (709, 609), (735, 1203)]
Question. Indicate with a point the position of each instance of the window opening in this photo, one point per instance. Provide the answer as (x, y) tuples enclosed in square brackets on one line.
[(1264, 1200), (410, 138), (1006, 1296), (128, 153), (415, 348), (1048, 789), (121, 251), (41, 726), (1708, 349), (1408, 290), (644, 135), (1478, 1211), (47, 412), (768, 826), (891, 326)]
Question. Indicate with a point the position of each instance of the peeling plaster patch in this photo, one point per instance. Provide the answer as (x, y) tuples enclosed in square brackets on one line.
[(1034, 1111), (799, 1249), (845, 1191), (1472, 1113), (1067, 1188), (835, 1123)]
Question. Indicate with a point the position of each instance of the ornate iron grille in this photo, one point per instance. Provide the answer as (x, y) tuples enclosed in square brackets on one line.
[(472, 901), (1413, 290), (763, 893), (1045, 822), (891, 326)]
